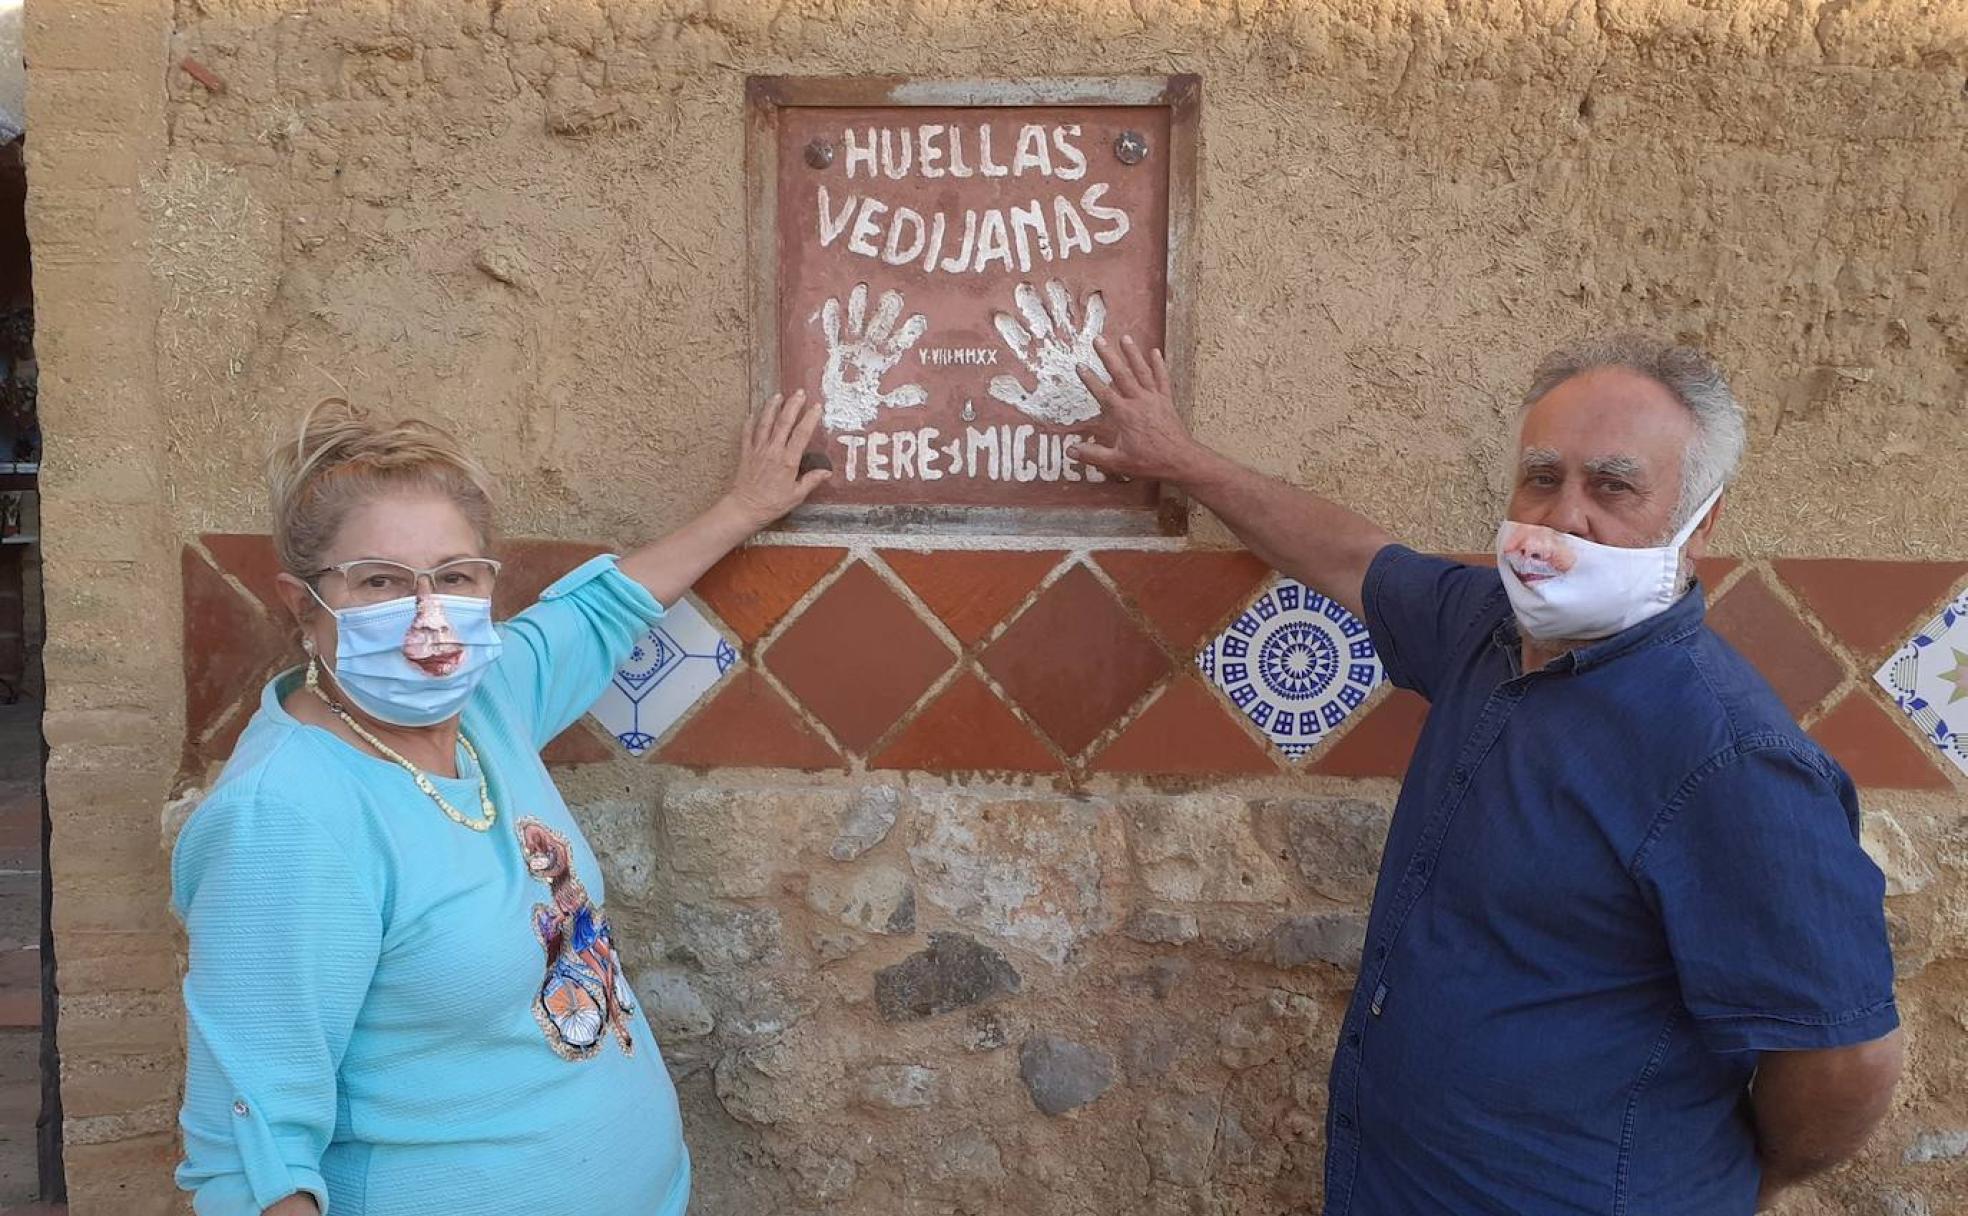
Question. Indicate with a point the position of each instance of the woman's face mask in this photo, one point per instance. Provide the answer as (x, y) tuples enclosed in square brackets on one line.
[(1566, 588), (414, 660)]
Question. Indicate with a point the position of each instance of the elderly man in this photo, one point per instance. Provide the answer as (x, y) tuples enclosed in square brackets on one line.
[(1625, 954)]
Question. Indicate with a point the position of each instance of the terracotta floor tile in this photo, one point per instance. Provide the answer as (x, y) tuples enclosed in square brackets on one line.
[(530, 567), (1383, 742), (752, 588), (858, 657), (967, 729), (1074, 661), (748, 725), (971, 590), (1188, 730), (1188, 594), (1770, 636), (1860, 735), (1870, 606), (228, 644), (576, 745)]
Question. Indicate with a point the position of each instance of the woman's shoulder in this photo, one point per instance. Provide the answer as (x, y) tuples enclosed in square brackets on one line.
[(282, 791)]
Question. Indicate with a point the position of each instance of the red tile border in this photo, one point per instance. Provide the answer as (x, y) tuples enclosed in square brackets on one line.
[(967, 729), (1870, 606), (1187, 731), (970, 591), (578, 744), (1771, 637), (858, 657), (1382, 743), (249, 557), (531, 566), (752, 589), (748, 725), (1185, 595), (1074, 661), (1873, 749), (229, 643)]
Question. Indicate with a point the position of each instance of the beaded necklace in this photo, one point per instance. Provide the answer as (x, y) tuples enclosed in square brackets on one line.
[(416, 774)]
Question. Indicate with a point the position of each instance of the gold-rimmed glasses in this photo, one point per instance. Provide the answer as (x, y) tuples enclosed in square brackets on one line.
[(375, 580)]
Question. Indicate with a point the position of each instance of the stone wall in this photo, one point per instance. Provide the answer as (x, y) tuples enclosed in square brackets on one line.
[(927, 984)]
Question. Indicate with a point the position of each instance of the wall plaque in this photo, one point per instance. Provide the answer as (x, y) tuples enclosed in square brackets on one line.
[(934, 260)]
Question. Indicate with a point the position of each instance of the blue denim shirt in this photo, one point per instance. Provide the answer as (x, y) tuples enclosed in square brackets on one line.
[(1608, 886)]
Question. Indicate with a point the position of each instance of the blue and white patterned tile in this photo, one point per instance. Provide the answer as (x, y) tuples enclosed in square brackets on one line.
[(674, 664), (1928, 679), (1296, 663)]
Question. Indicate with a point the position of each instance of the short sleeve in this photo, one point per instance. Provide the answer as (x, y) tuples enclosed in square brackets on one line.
[(560, 653), (284, 939), (1420, 609), (1774, 915)]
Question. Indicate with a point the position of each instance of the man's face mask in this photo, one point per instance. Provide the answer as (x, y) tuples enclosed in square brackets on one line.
[(414, 659), (1564, 587)]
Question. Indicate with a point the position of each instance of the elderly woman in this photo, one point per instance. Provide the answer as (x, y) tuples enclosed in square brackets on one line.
[(403, 995)]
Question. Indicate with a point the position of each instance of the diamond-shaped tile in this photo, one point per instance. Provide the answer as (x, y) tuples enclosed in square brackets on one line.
[(748, 725), (1928, 679), (1188, 732), (1868, 604), (674, 663), (1188, 593), (754, 587), (971, 590), (1296, 663), (967, 729), (1074, 661), (1874, 750), (1777, 643), (858, 657)]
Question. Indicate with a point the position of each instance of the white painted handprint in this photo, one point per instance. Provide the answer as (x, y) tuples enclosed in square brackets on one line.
[(858, 357), (1053, 345)]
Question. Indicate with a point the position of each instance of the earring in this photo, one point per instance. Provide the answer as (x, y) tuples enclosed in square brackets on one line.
[(307, 645)]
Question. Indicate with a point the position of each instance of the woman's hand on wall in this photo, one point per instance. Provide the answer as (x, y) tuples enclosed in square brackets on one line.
[(768, 484)]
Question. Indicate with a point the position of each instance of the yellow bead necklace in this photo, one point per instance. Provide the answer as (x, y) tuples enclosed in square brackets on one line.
[(416, 774)]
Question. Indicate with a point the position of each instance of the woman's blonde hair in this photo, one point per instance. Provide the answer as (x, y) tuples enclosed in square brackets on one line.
[(341, 458)]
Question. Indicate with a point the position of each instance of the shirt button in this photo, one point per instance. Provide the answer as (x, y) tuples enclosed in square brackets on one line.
[(1380, 951), (241, 1109), (1421, 867), (1461, 776), (1353, 1039), (1343, 1120)]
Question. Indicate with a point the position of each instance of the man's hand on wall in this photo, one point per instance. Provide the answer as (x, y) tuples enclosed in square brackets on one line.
[(1055, 347), (1144, 436), (858, 357)]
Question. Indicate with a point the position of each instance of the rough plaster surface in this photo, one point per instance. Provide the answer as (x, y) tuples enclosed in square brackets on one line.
[(527, 219)]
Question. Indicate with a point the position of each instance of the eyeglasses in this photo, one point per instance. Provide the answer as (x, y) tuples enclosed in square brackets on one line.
[(372, 580)]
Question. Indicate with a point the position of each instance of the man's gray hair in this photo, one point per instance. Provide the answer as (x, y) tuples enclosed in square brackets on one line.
[(1694, 379)]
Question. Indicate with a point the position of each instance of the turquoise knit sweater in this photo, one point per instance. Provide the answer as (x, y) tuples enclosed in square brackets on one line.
[(400, 1015)]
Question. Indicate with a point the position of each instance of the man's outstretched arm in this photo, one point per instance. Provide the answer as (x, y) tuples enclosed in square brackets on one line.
[(1312, 539)]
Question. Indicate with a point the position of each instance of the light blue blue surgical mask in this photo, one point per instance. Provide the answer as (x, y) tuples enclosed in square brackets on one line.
[(375, 673)]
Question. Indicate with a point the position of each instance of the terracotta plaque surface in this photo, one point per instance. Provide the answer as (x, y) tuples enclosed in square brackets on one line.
[(942, 272)]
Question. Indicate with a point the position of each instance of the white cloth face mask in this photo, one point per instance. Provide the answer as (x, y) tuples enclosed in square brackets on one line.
[(1564, 587)]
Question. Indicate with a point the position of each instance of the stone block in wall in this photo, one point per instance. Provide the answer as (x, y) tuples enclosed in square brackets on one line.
[(1335, 843), (1201, 848), (728, 841), (879, 899), (1062, 1075), (1034, 871), (954, 972), (622, 834)]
